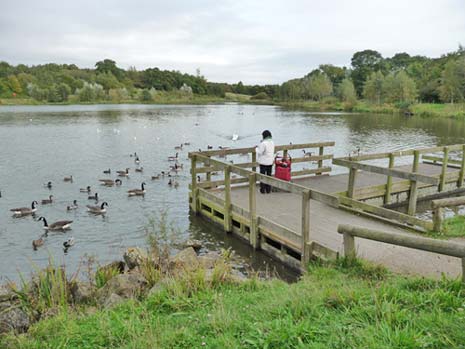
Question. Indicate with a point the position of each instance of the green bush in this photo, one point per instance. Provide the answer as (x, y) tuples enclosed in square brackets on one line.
[(260, 96)]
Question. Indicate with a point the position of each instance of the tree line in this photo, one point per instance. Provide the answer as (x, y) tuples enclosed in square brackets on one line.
[(399, 79)]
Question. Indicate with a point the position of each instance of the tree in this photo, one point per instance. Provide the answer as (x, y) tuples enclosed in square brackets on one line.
[(364, 63), (373, 89), (318, 86), (400, 61), (452, 88), (399, 88), (109, 66), (14, 84), (346, 91), (108, 81), (334, 73)]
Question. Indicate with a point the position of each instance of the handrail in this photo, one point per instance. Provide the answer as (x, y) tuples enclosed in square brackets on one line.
[(447, 248)]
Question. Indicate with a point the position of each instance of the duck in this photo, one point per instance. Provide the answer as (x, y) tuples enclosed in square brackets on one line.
[(107, 171), (110, 182), (37, 243), (93, 197), (85, 190), (74, 206), (178, 147), (156, 177), (123, 173), (97, 209), (209, 146), (47, 201), (68, 179), (24, 211), (48, 185), (137, 160), (137, 192), (68, 243), (187, 143), (59, 225), (139, 169), (173, 158)]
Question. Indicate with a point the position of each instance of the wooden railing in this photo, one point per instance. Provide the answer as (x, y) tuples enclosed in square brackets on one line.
[(258, 225), (438, 210), (413, 180), (447, 248)]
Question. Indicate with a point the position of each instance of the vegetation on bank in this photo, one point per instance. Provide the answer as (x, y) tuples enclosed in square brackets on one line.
[(346, 305)]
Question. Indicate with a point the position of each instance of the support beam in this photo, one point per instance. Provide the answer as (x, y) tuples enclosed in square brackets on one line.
[(387, 195), (351, 183), (438, 214), (254, 159), (442, 183), (194, 190), (462, 169), (305, 228), (253, 238), (227, 200), (320, 162), (412, 200), (349, 245)]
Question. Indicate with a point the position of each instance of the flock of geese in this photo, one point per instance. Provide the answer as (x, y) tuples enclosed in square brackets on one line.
[(98, 208)]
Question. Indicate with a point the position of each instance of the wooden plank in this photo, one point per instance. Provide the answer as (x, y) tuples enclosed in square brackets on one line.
[(442, 182), (437, 218), (388, 189), (323, 252), (254, 238), (305, 226), (219, 182), (447, 248), (310, 171), (413, 194), (304, 146), (387, 171), (320, 153), (377, 156), (462, 169), (194, 205), (351, 182), (312, 158), (448, 202), (386, 213), (435, 159), (227, 199), (254, 159), (330, 200), (280, 233)]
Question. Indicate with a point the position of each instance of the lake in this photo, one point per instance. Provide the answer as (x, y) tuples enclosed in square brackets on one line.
[(46, 143)]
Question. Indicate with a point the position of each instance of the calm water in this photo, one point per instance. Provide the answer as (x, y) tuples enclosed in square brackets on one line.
[(46, 143)]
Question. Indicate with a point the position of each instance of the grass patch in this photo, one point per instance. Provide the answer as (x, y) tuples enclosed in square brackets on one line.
[(347, 305), (453, 227)]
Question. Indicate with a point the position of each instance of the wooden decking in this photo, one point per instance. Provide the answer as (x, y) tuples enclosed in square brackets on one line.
[(285, 209)]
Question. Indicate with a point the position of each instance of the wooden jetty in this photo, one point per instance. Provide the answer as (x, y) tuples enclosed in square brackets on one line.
[(299, 219)]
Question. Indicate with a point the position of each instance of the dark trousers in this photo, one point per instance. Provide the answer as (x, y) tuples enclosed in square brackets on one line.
[(266, 170)]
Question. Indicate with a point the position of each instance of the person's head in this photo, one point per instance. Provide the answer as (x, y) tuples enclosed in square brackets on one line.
[(266, 134)]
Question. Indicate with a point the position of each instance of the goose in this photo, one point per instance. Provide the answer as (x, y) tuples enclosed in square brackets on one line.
[(140, 169), (131, 155), (24, 211), (97, 209), (173, 158), (48, 185), (68, 179), (93, 197), (209, 146), (223, 148), (47, 201), (156, 177), (198, 179), (123, 173), (178, 147), (85, 190), (68, 243), (177, 167), (110, 182), (307, 154), (74, 206), (137, 192), (37, 243), (137, 160), (187, 143), (60, 225), (107, 171), (173, 183)]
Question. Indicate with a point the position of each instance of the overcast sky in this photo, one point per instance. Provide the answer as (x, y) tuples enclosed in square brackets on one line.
[(254, 41)]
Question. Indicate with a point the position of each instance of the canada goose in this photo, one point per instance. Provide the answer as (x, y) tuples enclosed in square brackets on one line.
[(140, 169), (85, 190), (173, 183), (209, 147), (173, 158), (24, 211), (110, 182), (223, 148), (178, 147), (74, 206), (187, 143), (198, 179), (307, 154), (97, 209), (176, 167), (137, 160), (60, 225), (107, 171), (68, 179), (118, 182), (123, 173), (156, 177), (47, 201), (93, 197), (48, 185), (68, 243), (137, 192), (37, 243)]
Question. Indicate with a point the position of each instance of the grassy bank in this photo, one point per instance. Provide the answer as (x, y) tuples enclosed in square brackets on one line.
[(342, 306)]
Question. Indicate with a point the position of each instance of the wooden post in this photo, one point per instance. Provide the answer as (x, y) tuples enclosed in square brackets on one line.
[(253, 238), (194, 190), (349, 245), (462, 169), (209, 174), (305, 258), (412, 200), (387, 195), (463, 269), (320, 152), (227, 199), (437, 219), (445, 160), (254, 159), (351, 185)]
